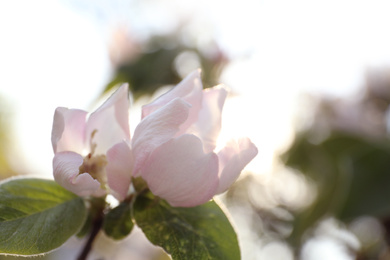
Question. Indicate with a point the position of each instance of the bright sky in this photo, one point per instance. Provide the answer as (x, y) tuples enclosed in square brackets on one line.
[(52, 55)]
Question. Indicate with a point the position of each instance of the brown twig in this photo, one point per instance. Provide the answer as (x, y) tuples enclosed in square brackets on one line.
[(96, 226)]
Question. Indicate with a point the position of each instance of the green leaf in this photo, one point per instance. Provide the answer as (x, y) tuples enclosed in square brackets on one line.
[(118, 223), (202, 232), (369, 188), (139, 184), (37, 216), (87, 227), (350, 174)]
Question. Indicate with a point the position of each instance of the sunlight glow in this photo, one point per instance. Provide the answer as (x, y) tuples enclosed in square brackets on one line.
[(50, 57)]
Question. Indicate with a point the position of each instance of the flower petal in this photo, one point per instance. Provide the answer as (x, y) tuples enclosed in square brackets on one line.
[(68, 130), (195, 99), (232, 160), (111, 120), (208, 125), (119, 167), (156, 129), (66, 173), (189, 89), (181, 173)]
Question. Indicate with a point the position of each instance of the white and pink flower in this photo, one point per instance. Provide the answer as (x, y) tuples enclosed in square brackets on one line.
[(172, 148), (92, 155)]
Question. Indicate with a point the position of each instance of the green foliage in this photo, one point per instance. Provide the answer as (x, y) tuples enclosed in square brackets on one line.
[(139, 184), (118, 223), (154, 67), (201, 232), (87, 227), (351, 174), (138, 73), (6, 170), (37, 216), (369, 188)]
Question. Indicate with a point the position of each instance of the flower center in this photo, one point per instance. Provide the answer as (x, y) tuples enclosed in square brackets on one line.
[(95, 165)]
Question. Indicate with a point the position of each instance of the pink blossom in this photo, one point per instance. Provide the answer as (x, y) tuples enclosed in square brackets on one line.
[(173, 145), (172, 149), (92, 153)]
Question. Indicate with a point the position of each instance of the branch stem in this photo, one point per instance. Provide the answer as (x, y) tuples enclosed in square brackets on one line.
[(96, 226)]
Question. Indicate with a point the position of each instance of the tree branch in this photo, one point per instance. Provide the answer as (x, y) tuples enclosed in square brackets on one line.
[(96, 226)]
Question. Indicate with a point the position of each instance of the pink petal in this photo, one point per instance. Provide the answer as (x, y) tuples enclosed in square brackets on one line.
[(208, 125), (119, 168), (232, 160), (181, 173), (111, 120), (66, 173), (68, 130), (156, 129), (189, 89)]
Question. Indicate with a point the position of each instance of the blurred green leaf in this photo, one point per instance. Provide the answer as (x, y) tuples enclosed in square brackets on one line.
[(202, 232), (6, 170), (369, 191), (139, 184), (155, 67), (37, 216), (87, 227), (149, 72), (118, 223), (350, 172)]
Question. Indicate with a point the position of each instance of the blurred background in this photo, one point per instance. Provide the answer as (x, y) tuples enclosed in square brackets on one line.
[(310, 85)]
